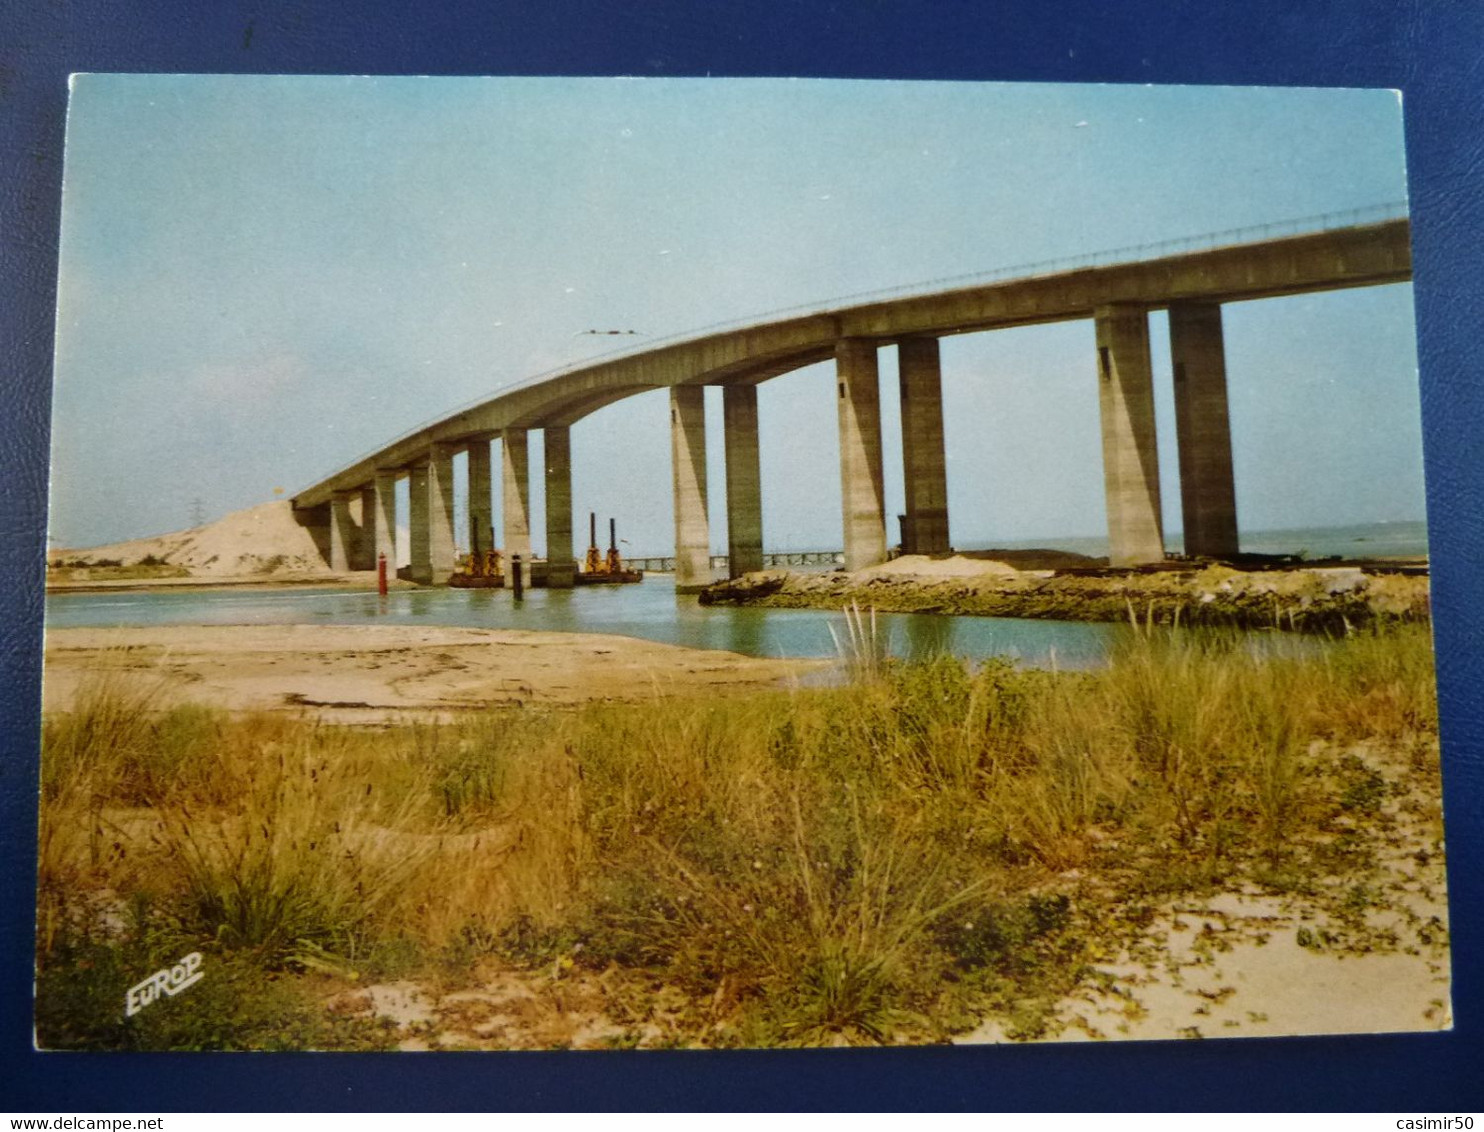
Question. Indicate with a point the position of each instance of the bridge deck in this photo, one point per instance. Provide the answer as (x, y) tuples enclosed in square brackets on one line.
[(1361, 255)]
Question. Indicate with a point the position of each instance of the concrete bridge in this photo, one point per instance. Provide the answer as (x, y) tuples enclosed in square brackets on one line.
[(353, 512)]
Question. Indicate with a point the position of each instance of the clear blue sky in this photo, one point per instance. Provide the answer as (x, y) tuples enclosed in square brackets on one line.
[(263, 278)]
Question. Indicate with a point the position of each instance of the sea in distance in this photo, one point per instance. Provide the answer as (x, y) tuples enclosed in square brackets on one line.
[(1404, 539), (651, 610)]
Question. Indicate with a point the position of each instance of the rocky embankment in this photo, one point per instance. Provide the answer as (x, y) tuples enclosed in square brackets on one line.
[(1309, 597)]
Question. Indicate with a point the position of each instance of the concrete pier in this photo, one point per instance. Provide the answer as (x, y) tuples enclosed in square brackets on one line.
[(924, 465), (515, 493), (440, 513), (380, 525), (419, 566), (744, 480), (365, 556), (481, 499), (1130, 458), (1208, 497), (345, 536), (431, 496), (430, 493), (560, 566), (862, 489), (688, 474)]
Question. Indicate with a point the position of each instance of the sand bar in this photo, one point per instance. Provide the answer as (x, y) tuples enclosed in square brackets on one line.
[(362, 673)]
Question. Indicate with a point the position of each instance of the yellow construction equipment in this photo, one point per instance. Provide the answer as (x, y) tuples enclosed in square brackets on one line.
[(599, 569), (479, 569)]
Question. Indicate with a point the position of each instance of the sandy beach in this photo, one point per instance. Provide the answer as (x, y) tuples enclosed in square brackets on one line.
[(372, 673)]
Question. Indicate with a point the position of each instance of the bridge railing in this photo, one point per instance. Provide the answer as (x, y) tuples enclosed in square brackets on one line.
[(1129, 253)]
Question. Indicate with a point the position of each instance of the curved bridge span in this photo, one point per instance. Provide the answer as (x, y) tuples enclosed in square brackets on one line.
[(353, 511)]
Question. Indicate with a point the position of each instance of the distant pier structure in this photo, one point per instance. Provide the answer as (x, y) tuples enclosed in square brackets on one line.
[(665, 564)]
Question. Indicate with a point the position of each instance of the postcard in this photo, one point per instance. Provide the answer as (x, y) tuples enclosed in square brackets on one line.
[(613, 564)]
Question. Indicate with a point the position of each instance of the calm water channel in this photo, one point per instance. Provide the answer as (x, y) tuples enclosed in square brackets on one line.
[(650, 610)]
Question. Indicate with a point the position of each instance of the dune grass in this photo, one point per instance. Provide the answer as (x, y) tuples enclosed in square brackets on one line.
[(884, 861)]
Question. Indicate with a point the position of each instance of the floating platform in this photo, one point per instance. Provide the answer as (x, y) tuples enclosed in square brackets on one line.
[(483, 582), (615, 578)]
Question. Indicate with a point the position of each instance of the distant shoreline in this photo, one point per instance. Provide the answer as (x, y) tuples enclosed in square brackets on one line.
[(357, 581)]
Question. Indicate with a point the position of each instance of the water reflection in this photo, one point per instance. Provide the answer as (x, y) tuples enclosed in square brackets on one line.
[(928, 637)]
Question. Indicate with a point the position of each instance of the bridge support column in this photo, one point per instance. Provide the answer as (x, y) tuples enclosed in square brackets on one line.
[(1208, 497), (515, 493), (1130, 457), (559, 564), (862, 490), (345, 537), (365, 556), (432, 517), (688, 475), (924, 466), (420, 565), (440, 513), (481, 499), (744, 480), (379, 522)]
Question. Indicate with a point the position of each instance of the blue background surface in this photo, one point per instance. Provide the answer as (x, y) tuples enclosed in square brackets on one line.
[(1430, 50)]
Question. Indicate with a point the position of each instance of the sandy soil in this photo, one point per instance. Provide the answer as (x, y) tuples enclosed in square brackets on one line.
[(368, 673), (1362, 954), (1233, 966), (955, 566), (556, 1007)]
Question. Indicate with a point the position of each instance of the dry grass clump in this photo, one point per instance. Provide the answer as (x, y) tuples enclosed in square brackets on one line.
[(876, 862)]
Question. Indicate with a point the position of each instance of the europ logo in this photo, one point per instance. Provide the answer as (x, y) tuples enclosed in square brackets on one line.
[(167, 980)]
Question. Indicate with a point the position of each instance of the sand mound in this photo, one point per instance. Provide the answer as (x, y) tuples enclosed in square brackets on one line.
[(260, 540), (921, 566)]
